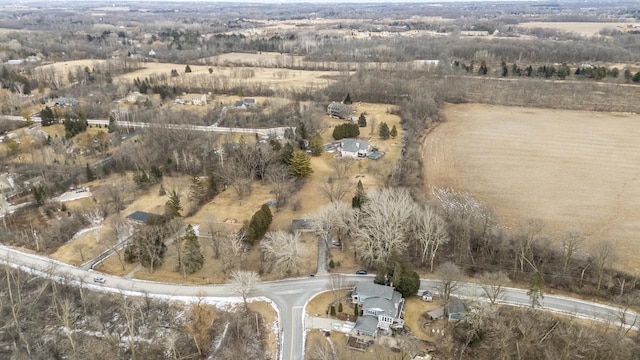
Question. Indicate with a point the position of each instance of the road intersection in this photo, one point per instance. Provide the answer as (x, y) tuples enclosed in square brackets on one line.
[(290, 296)]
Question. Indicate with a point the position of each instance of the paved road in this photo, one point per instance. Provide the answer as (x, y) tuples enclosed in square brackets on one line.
[(277, 131), (290, 296)]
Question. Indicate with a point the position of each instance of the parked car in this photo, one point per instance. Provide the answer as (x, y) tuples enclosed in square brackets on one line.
[(427, 296), (361, 272), (99, 279)]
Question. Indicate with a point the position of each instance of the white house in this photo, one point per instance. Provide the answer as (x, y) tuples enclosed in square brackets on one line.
[(354, 148)]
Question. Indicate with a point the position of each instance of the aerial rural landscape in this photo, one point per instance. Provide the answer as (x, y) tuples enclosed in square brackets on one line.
[(211, 180)]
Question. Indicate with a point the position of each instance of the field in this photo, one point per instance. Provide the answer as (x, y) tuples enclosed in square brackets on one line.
[(583, 28), (574, 170)]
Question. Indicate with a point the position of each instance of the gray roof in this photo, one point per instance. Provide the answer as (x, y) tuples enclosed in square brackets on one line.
[(339, 110), (437, 313), (249, 101), (375, 290), (301, 224), (139, 216), (239, 103), (379, 303), (354, 145), (456, 306), (366, 324)]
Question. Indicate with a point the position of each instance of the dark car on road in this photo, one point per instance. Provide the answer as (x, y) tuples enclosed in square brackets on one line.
[(361, 272)]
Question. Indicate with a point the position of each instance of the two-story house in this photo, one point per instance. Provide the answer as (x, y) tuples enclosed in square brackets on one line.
[(381, 308)]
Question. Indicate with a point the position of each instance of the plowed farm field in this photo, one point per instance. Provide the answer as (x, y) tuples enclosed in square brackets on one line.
[(574, 170)]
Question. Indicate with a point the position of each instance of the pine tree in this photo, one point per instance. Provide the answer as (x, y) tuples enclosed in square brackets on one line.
[(90, 175), (187, 69), (362, 121), (360, 198), (483, 68), (191, 258), (316, 145), (535, 293), (384, 131), (259, 224), (393, 132), (347, 100), (197, 190), (300, 165), (172, 208), (112, 124)]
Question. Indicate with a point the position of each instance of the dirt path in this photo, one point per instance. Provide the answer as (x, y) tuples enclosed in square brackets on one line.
[(575, 170)]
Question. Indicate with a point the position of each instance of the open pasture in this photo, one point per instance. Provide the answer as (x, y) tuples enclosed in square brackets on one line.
[(574, 170)]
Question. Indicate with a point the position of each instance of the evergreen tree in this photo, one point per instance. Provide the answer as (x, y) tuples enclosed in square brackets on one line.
[(197, 190), (302, 131), (360, 198), (346, 130), (347, 100), (627, 74), (187, 69), (173, 207), (90, 175), (47, 117), (112, 127), (636, 77), (393, 132), (535, 293), (316, 145), (384, 131), (300, 165), (483, 69), (191, 258), (286, 153), (259, 224), (39, 195), (505, 69), (362, 121), (156, 174)]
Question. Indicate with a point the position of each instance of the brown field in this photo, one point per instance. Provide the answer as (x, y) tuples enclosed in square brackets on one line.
[(583, 28), (574, 170), (274, 78)]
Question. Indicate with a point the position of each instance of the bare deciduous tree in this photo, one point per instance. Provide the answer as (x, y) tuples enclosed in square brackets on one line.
[(334, 190), (493, 284), (243, 282), (529, 229), (430, 232), (604, 255), (571, 242), (450, 279), (385, 221), (282, 252), (232, 249)]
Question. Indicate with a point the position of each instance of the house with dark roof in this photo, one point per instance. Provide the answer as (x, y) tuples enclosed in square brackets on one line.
[(381, 308), (339, 110), (301, 224), (354, 148), (143, 218)]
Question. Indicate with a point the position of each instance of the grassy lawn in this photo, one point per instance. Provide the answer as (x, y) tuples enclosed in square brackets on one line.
[(414, 310), (317, 343), (319, 305)]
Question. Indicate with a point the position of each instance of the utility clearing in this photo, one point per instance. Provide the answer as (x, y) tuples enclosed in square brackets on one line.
[(574, 170)]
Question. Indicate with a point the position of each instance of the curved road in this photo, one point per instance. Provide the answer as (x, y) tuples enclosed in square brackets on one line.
[(290, 296)]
